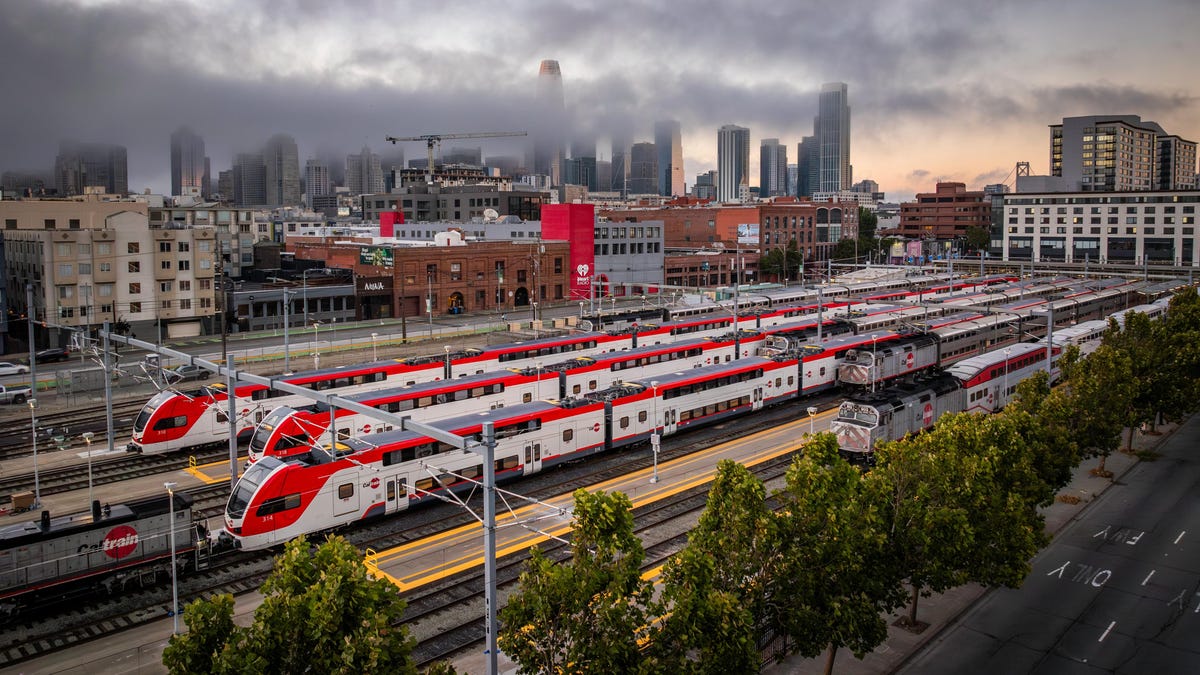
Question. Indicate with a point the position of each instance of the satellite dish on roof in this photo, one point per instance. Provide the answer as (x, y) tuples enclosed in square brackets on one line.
[(491, 214)]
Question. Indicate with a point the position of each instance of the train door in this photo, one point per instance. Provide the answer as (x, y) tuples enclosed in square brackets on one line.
[(345, 498), (756, 401), (396, 494), (670, 422), (533, 457)]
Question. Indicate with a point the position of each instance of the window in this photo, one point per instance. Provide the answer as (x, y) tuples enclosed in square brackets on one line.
[(135, 288), (185, 264), (164, 247), (66, 292), (135, 308), (164, 287), (568, 435), (134, 247), (135, 267), (184, 247), (185, 285), (105, 290), (66, 269), (345, 490), (166, 264), (185, 303)]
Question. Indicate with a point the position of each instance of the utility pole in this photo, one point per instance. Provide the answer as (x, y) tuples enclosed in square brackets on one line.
[(222, 301)]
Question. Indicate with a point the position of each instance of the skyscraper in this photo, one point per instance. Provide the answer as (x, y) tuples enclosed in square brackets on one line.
[(733, 161), (621, 144), (832, 131), (772, 168), (249, 180), (189, 166), (282, 171), (668, 142), (364, 175), (80, 166), (643, 169), (806, 167), (548, 139), (316, 180)]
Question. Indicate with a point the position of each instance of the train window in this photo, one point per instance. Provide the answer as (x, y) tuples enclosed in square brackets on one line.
[(526, 398), (568, 435), (277, 504), (642, 416), (791, 380), (445, 479), (345, 491), (221, 417), (343, 434), (391, 458), (391, 490), (624, 422), (472, 471), (507, 463), (576, 389), (424, 401), (171, 422), (779, 382), (591, 385), (424, 485)]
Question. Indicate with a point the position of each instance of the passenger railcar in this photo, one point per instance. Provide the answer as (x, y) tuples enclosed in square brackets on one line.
[(109, 549), (276, 500), (897, 358), (983, 384)]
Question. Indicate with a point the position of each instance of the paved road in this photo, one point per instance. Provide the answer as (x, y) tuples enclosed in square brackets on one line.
[(1118, 591)]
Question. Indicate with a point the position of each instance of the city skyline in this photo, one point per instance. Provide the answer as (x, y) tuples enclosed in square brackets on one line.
[(962, 98)]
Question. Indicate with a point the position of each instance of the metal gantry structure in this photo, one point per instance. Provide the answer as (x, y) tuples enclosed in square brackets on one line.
[(434, 140)]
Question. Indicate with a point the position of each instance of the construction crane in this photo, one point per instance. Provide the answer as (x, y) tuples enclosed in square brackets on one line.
[(432, 140)]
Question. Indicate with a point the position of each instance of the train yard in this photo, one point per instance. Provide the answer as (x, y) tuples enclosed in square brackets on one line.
[(445, 604)]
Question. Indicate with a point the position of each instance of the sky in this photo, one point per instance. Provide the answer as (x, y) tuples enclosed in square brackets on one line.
[(956, 90)]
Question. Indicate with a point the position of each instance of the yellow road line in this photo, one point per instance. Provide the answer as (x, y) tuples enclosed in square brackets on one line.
[(429, 545)]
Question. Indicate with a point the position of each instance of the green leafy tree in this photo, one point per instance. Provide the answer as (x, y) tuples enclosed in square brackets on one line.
[(929, 530), (867, 224), (718, 588), (589, 614), (1178, 338), (1043, 417), (1101, 389), (978, 238), (322, 613), (835, 587)]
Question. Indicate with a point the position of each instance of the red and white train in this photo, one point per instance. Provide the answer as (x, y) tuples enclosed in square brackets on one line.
[(983, 383), (276, 500)]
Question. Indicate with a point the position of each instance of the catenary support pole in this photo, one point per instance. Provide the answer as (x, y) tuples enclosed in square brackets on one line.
[(489, 544), (231, 392)]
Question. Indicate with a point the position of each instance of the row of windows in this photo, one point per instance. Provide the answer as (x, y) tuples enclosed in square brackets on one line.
[(546, 351), (447, 397), (715, 383), (655, 358), (1097, 230)]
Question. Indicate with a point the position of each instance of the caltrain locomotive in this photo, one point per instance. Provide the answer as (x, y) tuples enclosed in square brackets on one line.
[(108, 549)]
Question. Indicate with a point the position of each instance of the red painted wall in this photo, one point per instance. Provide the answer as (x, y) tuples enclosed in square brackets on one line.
[(574, 223)]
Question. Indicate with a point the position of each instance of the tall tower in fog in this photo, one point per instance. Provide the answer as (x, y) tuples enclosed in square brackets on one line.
[(189, 166), (281, 174), (668, 143), (772, 171), (550, 117), (621, 144), (364, 173), (733, 161), (832, 131)]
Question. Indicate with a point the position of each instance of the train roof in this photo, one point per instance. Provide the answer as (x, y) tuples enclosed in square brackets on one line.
[(897, 395), (30, 531), (970, 367), (714, 370)]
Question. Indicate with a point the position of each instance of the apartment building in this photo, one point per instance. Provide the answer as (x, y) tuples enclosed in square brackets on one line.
[(91, 261)]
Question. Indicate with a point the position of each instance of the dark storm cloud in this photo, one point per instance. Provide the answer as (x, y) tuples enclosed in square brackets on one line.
[(338, 77)]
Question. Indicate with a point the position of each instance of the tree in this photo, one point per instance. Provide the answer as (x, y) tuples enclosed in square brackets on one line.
[(718, 587), (322, 613), (1043, 416), (1178, 339), (1101, 389), (867, 224), (978, 238), (834, 584), (588, 614)]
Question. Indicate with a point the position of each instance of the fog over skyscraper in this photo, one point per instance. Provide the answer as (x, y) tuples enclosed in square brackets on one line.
[(733, 161), (668, 142), (281, 176), (550, 117), (80, 166), (832, 130), (364, 175), (189, 166), (643, 169), (621, 144)]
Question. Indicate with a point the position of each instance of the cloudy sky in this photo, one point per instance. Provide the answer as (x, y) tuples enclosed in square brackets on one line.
[(939, 89)]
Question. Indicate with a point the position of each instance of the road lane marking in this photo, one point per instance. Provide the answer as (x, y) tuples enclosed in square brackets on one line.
[(1180, 536), (1147, 579), (1106, 630)]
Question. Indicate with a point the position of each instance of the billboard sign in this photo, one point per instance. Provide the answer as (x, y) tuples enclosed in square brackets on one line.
[(377, 256)]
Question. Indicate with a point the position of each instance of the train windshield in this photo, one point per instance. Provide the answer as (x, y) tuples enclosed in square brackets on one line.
[(255, 474), (143, 418), (855, 412)]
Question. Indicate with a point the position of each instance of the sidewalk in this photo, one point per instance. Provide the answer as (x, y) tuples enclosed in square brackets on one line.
[(941, 610)]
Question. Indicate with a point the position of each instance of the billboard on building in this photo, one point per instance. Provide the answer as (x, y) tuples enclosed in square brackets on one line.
[(378, 256), (747, 233)]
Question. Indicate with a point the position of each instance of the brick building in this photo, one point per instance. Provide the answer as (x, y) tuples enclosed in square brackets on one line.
[(945, 214)]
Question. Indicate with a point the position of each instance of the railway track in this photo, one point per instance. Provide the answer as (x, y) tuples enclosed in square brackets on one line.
[(244, 571), (103, 471), (16, 442)]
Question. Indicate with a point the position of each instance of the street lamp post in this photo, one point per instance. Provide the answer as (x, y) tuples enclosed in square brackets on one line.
[(287, 329), (316, 345), (37, 490), (655, 437), (87, 438), (374, 354), (447, 373), (581, 310), (174, 581), (812, 413)]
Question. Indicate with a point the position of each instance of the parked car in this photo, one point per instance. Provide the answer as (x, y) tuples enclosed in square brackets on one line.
[(16, 394), (10, 368), (185, 373), (52, 354)]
